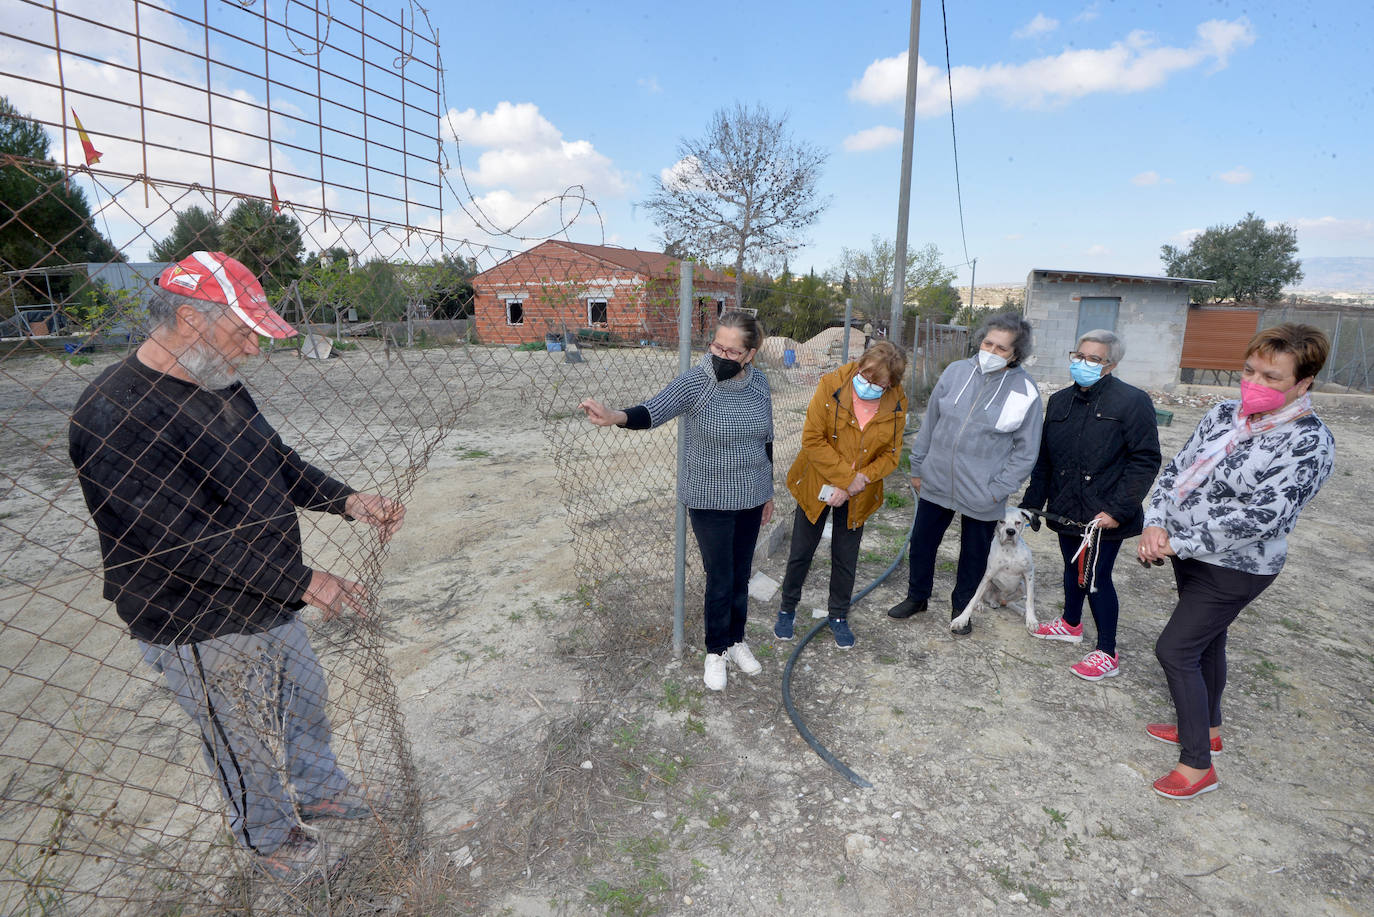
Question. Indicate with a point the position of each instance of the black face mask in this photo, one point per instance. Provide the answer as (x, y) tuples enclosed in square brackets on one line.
[(725, 369)]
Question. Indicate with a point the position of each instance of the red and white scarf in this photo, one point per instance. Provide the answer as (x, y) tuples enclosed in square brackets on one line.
[(1244, 429)]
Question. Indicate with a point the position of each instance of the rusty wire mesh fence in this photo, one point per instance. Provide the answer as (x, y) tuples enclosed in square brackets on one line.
[(112, 798)]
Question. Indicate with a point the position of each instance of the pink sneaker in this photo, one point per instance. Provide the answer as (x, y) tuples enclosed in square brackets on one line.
[(1096, 666), (1059, 629)]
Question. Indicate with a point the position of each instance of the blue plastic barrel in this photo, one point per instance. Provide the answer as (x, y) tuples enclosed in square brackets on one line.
[(789, 358)]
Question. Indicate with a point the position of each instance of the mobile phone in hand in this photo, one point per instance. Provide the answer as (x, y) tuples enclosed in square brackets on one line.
[(826, 491)]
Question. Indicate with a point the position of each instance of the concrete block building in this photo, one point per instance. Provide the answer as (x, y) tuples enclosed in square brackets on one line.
[(1149, 313), (558, 286)]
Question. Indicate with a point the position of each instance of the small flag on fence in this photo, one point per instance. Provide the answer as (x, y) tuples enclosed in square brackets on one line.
[(276, 202), (92, 154)]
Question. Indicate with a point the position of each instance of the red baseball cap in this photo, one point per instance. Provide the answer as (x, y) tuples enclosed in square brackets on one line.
[(215, 277)]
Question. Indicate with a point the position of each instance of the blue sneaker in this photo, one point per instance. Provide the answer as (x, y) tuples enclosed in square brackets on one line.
[(783, 629), (844, 637)]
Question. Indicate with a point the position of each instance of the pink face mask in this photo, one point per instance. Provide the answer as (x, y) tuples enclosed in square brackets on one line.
[(1261, 399)]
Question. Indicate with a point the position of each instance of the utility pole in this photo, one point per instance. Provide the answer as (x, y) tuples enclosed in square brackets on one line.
[(894, 333)]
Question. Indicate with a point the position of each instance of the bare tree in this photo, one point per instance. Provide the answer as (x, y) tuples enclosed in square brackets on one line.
[(745, 189)]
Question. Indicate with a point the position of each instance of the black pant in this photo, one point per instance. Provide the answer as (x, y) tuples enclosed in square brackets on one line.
[(726, 538), (975, 540), (1192, 648), (844, 557), (1103, 602)]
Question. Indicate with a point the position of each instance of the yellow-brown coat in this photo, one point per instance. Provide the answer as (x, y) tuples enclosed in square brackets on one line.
[(834, 449)]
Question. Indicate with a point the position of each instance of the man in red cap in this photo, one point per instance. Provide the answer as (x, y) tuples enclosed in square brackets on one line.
[(195, 496)]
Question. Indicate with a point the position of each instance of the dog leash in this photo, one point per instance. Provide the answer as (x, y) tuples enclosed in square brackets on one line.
[(1086, 557)]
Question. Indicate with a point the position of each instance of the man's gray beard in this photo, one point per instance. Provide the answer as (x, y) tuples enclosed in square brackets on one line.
[(208, 367)]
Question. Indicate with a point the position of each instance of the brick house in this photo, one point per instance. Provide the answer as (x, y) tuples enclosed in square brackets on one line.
[(558, 286)]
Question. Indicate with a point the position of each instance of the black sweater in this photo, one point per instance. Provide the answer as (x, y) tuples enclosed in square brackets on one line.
[(194, 496), (1099, 453)]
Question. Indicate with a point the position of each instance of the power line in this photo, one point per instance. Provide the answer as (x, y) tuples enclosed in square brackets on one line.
[(949, 81)]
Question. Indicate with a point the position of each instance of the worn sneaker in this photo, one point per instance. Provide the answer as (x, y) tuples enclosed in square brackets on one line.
[(714, 675), (844, 637), (785, 626), (1059, 629), (350, 803), (1096, 666), (1174, 785), (743, 659), (298, 861), (1168, 734)]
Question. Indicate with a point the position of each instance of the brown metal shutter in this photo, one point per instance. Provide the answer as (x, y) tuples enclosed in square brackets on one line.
[(1216, 337)]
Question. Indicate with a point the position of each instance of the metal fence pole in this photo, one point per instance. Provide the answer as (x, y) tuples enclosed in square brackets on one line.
[(684, 362), (848, 316)]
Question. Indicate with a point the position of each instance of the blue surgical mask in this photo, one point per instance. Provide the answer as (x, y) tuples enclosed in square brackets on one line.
[(1085, 373), (865, 389)]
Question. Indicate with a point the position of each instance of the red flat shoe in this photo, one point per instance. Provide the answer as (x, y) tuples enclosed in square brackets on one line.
[(1174, 785), (1168, 734)]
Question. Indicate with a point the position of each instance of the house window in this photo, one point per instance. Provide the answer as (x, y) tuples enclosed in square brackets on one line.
[(596, 311), (1096, 312), (720, 307), (515, 312)]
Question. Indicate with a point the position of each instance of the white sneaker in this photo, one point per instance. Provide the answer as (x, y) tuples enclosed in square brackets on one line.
[(739, 654), (714, 676)]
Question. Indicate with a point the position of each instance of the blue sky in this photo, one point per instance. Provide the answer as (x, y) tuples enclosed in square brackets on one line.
[(1089, 133)]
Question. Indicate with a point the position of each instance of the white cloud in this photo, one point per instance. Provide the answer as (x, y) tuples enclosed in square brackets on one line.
[(1237, 176), (650, 85), (1144, 179), (873, 138), (1040, 25), (1134, 64), (526, 155), (1089, 13), (1186, 236), (1333, 228), (1014, 236), (1097, 251)]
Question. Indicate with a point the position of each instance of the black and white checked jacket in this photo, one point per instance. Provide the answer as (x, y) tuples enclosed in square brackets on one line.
[(729, 435)]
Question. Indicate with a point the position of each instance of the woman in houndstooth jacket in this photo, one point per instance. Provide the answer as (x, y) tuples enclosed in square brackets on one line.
[(727, 483)]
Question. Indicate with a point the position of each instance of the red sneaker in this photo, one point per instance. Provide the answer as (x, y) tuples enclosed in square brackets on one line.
[(1174, 785), (1096, 666), (1059, 629), (1168, 734)]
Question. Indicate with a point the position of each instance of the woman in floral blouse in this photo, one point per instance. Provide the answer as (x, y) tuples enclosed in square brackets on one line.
[(1221, 512)]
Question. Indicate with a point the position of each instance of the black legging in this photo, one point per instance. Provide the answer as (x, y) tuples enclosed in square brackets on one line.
[(1192, 648), (1103, 602), (975, 540)]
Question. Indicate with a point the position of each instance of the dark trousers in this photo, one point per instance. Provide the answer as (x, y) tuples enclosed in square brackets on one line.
[(975, 540), (726, 538), (1103, 602), (1192, 648), (844, 557)]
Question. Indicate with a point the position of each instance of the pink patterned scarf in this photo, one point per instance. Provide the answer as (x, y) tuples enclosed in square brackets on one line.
[(1244, 429)]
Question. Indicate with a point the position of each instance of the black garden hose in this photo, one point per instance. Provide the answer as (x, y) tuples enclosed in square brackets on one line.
[(826, 755)]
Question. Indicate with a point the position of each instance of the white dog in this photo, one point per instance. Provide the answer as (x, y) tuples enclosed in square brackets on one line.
[(1010, 570)]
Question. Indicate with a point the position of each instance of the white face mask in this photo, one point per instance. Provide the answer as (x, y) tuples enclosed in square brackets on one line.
[(990, 362)]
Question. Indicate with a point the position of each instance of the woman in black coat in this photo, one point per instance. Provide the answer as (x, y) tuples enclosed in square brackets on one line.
[(1099, 454)]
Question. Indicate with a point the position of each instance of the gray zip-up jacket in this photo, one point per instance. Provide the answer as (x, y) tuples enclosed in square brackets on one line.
[(979, 440)]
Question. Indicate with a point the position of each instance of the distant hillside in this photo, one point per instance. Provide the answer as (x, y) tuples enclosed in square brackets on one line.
[(1345, 275)]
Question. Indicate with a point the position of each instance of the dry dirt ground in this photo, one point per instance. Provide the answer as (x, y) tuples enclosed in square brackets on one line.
[(1001, 783), (570, 767)]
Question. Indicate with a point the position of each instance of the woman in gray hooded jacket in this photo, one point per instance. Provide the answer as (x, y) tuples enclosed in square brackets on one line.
[(978, 443)]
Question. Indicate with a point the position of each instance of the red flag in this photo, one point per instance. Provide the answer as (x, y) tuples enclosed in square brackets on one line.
[(276, 203), (92, 154)]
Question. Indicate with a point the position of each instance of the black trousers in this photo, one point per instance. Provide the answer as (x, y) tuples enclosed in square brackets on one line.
[(726, 538), (1192, 648), (1104, 603), (975, 540), (844, 558)]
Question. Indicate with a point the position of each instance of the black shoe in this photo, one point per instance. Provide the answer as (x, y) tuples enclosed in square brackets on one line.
[(961, 631), (906, 608)]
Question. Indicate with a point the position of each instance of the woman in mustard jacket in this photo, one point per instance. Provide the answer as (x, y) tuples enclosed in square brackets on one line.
[(852, 439)]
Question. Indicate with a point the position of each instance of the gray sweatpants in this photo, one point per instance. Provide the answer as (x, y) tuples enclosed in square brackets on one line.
[(259, 700)]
